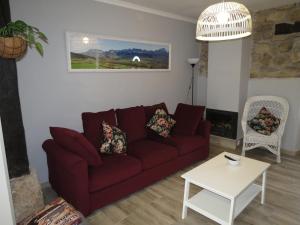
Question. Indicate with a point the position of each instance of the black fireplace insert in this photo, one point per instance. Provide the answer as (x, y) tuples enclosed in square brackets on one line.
[(224, 123)]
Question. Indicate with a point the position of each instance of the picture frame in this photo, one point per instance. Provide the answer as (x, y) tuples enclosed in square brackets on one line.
[(98, 53)]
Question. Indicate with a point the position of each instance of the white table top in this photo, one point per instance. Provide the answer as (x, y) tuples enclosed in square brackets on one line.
[(218, 176)]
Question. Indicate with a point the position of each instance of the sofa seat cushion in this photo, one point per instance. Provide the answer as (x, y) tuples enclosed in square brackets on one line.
[(152, 153), (187, 144), (115, 169), (133, 122)]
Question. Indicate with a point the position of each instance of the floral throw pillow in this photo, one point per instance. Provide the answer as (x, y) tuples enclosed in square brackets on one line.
[(161, 123), (114, 140), (264, 122)]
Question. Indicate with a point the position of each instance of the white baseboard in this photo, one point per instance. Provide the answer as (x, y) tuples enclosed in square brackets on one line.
[(45, 185), (290, 152)]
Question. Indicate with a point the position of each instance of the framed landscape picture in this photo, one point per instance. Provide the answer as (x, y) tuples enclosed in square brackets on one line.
[(95, 53)]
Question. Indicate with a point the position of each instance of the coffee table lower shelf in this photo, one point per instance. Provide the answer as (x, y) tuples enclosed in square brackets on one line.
[(217, 207)]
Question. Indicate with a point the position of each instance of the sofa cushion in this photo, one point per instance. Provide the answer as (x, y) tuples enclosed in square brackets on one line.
[(151, 153), (75, 142), (92, 125), (133, 122), (187, 119), (150, 110), (187, 144), (114, 140), (161, 123), (115, 169), (264, 122)]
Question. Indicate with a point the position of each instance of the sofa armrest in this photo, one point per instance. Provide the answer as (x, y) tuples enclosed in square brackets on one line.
[(204, 128), (68, 175)]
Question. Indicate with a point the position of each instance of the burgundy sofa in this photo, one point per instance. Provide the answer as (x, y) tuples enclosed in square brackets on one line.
[(90, 181)]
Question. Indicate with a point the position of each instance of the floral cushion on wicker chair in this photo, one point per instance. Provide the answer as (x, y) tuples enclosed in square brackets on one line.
[(114, 140), (161, 123), (264, 122)]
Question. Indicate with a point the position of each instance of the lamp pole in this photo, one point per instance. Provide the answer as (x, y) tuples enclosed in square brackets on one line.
[(193, 62), (193, 71)]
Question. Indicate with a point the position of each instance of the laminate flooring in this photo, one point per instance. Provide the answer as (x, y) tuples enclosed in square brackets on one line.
[(161, 203)]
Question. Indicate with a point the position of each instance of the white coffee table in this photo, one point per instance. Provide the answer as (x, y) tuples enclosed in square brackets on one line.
[(227, 189)]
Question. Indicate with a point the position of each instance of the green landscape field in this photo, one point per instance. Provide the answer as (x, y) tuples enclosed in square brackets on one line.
[(115, 64), (82, 61)]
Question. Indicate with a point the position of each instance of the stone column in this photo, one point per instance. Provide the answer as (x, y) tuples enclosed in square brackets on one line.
[(10, 110)]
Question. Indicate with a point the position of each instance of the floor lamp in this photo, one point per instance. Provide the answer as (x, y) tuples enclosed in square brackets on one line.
[(193, 62)]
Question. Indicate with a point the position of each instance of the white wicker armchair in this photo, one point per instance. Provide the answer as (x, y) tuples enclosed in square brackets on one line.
[(279, 107)]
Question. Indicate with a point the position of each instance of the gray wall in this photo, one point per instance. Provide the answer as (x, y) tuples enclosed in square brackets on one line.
[(51, 96)]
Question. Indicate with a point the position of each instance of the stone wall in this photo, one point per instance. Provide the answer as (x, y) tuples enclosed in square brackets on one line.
[(203, 63), (10, 110), (272, 55), (27, 195), (275, 55)]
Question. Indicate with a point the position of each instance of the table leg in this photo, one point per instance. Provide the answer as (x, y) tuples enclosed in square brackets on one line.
[(185, 198), (263, 187), (231, 217)]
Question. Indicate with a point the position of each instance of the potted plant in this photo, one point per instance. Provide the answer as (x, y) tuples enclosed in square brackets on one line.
[(16, 36)]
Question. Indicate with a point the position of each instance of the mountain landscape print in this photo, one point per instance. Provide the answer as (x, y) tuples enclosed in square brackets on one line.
[(92, 52)]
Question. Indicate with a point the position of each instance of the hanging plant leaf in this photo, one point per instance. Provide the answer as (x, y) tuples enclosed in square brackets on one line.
[(39, 48), (43, 37)]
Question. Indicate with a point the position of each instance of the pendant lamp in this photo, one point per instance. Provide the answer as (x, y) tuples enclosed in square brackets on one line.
[(224, 21)]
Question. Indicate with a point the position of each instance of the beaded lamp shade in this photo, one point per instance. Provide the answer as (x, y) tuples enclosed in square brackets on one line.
[(224, 21)]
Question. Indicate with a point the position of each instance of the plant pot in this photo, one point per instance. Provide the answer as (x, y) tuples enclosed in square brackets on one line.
[(12, 47)]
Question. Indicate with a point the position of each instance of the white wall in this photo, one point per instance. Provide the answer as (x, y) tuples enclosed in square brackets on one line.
[(228, 75), (289, 89), (224, 75), (50, 96), (245, 75), (6, 210)]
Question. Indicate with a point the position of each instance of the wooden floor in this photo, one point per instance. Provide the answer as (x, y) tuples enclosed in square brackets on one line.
[(161, 203)]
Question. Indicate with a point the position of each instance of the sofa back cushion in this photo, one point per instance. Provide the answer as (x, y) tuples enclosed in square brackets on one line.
[(114, 140), (75, 142), (161, 123), (133, 122), (92, 125), (150, 110), (187, 118)]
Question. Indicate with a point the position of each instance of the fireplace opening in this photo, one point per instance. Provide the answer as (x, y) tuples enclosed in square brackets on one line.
[(224, 123)]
